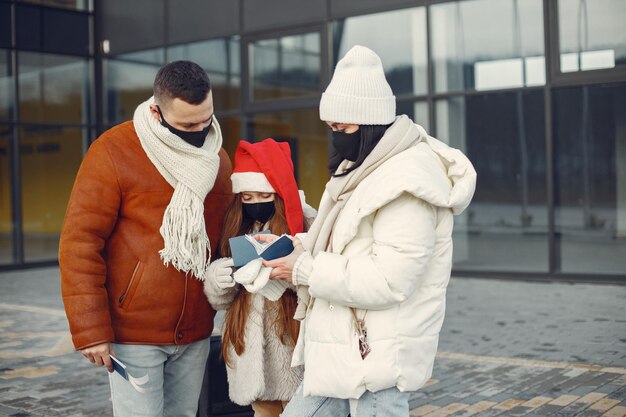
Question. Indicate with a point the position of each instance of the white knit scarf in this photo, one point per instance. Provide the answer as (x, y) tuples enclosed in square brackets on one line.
[(191, 172), (402, 135)]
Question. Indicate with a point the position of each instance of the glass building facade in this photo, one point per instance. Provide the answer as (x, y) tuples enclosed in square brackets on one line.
[(533, 91)]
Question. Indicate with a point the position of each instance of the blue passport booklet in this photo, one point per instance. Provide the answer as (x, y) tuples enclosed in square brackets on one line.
[(119, 367), (137, 383), (245, 248)]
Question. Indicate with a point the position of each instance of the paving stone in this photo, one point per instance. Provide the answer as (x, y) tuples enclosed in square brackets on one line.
[(499, 354), (447, 410), (618, 411), (581, 404), (474, 409), (423, 410)]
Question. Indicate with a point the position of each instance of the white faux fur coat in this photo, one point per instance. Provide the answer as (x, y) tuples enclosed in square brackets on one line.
[(263, 371)]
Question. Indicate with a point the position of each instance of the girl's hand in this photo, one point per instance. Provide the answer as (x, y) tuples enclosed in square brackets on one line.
[(265, 237), (282, 268)]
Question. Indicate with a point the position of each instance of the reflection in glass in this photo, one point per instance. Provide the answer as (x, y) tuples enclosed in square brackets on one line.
[(590, 183), (308, 139), (402, 50), (5, 25), (505, 228), (50, 157), (53, 88), (231, 133), (129, 82), (220, 58), (286, 67), (417, 111), (6, 224), (6, 86), (487, 44), (591, 34)]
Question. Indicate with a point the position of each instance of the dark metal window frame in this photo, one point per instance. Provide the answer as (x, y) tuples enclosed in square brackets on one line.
[(247, 41), (554, 79), (15, 123)]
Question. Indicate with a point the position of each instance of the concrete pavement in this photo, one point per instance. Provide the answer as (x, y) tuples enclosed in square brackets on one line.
[(507, 348)]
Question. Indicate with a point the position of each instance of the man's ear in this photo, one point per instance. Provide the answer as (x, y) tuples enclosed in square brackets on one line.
[(155, 112)]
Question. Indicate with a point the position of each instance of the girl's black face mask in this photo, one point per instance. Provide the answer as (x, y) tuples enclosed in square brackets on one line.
[(260, 212), (193, 138), (347, 144)]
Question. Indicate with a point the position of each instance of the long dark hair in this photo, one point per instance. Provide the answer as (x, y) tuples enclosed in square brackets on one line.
[(285, 326), (370, 136)]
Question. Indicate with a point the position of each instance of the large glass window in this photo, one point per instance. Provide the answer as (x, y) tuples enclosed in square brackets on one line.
[(6, 224), (286, 67), (590, 184), (591, 34), (65, 4), (6, 86), (402, 49), (487, 44), (308, 139), (416, 110), (50, 157), (46, 30), (5, 25), (220, 58), (53, 88), (231, 133), (506, 226), (129, 82)]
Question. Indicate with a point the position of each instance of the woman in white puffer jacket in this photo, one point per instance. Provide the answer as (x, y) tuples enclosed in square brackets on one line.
[(378, 255)]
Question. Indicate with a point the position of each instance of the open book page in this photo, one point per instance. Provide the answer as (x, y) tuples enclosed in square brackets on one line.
[(259, 246), (245, 248)]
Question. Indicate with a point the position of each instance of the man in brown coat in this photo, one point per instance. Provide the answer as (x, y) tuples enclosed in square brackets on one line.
[(144, 215)]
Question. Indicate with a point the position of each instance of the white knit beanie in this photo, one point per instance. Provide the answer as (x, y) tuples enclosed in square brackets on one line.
[(358, 92)]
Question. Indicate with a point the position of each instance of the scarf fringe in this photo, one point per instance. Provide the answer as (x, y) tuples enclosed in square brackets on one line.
[(186, 244), (191, 172)]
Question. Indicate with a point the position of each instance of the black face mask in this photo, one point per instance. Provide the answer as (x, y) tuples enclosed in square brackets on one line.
[(193, 138), (260, 212), (347, 144)]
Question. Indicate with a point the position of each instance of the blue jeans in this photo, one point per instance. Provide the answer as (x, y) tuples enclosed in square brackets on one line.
[(386, 403), (175, 379)]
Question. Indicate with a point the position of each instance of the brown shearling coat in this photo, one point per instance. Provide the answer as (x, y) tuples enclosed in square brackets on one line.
[(114, 285)]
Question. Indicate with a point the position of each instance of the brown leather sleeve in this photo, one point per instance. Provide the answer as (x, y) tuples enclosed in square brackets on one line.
[(90, 217)]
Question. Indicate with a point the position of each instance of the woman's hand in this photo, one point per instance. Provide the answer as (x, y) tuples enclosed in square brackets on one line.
[(282, 268)]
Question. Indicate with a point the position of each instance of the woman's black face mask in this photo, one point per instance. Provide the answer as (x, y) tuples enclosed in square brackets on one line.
[(260, 212), (347, 144), (193, 138)]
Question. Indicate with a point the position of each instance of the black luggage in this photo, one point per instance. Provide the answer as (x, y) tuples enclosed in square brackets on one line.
[(214, 399)]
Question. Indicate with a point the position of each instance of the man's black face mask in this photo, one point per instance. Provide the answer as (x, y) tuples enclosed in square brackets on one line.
[(193, 138)]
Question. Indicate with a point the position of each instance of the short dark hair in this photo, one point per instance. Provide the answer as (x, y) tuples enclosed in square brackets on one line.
[(184, 80)]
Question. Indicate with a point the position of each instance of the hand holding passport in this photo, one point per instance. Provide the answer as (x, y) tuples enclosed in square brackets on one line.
[(245, 248)]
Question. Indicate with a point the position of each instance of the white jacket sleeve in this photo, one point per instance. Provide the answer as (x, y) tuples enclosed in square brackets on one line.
[(403, 241)]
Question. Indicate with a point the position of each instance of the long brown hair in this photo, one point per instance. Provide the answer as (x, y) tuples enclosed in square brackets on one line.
[(286, 327)]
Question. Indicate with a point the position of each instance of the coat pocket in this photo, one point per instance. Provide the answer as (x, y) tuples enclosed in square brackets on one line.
[(126, 297)]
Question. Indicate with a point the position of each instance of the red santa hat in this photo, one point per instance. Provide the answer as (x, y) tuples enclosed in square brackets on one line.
[(266, 167)]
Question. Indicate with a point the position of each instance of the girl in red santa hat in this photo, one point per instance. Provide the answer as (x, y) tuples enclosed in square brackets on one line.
[(259, 332)]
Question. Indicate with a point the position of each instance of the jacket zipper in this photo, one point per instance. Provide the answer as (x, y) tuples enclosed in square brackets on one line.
[(132, 278)]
